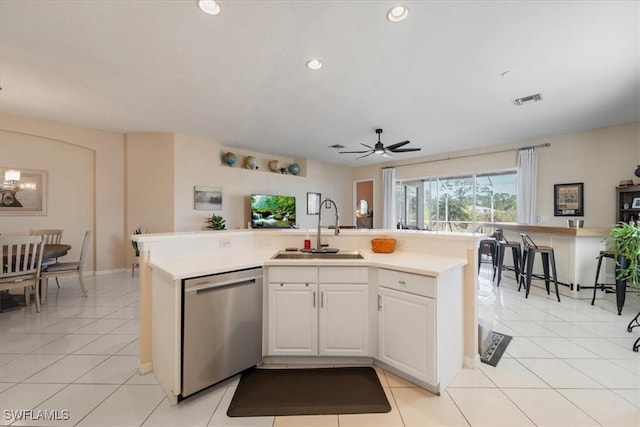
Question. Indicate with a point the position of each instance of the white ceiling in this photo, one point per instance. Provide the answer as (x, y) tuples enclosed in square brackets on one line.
[(240, 78)]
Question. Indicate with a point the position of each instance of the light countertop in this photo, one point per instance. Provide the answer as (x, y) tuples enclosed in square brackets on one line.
[(412, 262), (567, 231)]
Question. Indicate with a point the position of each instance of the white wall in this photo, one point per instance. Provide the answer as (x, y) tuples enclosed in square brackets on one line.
[(70, 177), (149, 183), (66, 150), (600, 159), (197, 162)]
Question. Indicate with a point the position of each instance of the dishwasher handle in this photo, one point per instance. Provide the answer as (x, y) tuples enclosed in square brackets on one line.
[(209, 286)]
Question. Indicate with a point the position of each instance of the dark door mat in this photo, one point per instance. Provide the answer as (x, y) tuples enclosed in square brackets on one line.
[(497, 345), (318, 391)]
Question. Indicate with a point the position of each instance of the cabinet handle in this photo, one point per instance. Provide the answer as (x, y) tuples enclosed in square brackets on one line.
[(314, 299), (379, 303), (322, 299), (402, 282)]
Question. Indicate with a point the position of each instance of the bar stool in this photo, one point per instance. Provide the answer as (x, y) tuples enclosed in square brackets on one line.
[(504, 244), (489, 247), (603, 254), (528, 257)]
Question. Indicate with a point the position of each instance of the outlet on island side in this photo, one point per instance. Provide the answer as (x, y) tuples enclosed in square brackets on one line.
[(225, 243)]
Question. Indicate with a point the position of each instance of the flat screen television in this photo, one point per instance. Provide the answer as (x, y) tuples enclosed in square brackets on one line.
[(271, 211)]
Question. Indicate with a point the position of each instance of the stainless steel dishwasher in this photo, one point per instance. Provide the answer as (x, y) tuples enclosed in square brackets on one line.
[(222, 327)]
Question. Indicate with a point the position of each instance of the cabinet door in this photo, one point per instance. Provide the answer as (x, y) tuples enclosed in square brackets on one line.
[(344, 320), (293, 319), (406, 333)]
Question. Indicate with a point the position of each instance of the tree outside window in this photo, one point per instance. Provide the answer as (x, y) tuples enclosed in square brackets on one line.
[(457, 203)]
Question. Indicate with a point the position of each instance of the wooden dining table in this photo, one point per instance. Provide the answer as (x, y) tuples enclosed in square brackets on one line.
[(53, 251)]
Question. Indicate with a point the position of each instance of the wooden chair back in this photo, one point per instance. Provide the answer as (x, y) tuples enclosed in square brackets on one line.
[(21, 262), (50, 236)]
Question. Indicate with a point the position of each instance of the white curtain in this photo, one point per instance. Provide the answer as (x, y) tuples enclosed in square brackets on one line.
[(389, 198), (527, 179)]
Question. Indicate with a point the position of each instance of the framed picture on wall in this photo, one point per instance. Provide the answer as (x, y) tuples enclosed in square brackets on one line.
[(313, 203), (23, 192), (207, 198), (568, 199)]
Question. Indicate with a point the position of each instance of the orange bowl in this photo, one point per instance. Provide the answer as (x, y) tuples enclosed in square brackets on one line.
[(383, 246)]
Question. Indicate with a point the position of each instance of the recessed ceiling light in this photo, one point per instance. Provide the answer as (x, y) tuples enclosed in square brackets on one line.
[(210, 7), (337, 146), (314, 64), (397, 13)]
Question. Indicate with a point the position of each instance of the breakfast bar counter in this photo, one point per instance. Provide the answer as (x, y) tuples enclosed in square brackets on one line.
[(576, 250)]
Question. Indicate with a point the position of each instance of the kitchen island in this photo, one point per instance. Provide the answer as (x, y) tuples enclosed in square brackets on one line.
[(437, 268)]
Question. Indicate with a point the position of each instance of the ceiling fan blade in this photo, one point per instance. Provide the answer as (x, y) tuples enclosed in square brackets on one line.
[(405, 150), (368, 146), (366, 155), (398, 145), (353, 152)]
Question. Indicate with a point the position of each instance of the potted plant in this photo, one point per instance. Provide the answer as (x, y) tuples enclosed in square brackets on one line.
[(216, 222), (624, 241), (134, 243)]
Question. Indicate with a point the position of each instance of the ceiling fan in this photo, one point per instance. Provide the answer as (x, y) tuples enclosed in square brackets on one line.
[(379, 148)]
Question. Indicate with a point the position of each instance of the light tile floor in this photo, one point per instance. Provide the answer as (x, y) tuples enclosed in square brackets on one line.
[(569, 364)]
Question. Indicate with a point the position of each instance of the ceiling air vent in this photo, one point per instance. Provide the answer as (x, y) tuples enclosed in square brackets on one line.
[(527, 100), (337, 146)]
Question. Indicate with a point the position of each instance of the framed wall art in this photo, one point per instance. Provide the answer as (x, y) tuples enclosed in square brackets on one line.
[(207, 198), (23, 192), (313, 203), (568, 199)]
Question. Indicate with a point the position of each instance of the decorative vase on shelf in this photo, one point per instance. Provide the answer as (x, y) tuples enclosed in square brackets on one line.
[(294, 169), (637, 172), (274, 166), (250, 162), (230, 158)]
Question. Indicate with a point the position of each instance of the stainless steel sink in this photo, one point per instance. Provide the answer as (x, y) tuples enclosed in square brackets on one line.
[(340, 254)]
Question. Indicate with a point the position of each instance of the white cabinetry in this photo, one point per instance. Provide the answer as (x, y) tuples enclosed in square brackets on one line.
[(318, 311), (406, 327), (344, 311), (293, 319), (420, 325), (293, 316)]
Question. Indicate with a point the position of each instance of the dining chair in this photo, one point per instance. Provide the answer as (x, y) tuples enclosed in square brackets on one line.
[(21, 263), (62, 269), (50, 236)]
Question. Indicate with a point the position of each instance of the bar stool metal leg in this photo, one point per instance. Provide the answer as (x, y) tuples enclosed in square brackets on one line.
[(595, 283), (545, 269), (529, 273), (555, 274), (515, 251)]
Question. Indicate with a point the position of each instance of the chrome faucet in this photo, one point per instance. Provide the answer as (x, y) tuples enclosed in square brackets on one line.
[(337, 229)]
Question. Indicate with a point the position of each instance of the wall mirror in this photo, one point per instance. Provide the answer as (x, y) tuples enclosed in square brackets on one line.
[(362, 207)]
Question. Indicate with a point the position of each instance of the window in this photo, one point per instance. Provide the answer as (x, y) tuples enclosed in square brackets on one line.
[(456, 203)]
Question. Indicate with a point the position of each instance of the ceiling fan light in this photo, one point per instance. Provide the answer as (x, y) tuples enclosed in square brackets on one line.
[(397, 13), (379, 148), (210, 7)]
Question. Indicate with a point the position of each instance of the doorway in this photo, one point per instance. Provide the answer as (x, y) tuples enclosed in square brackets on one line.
[(363, 202)]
